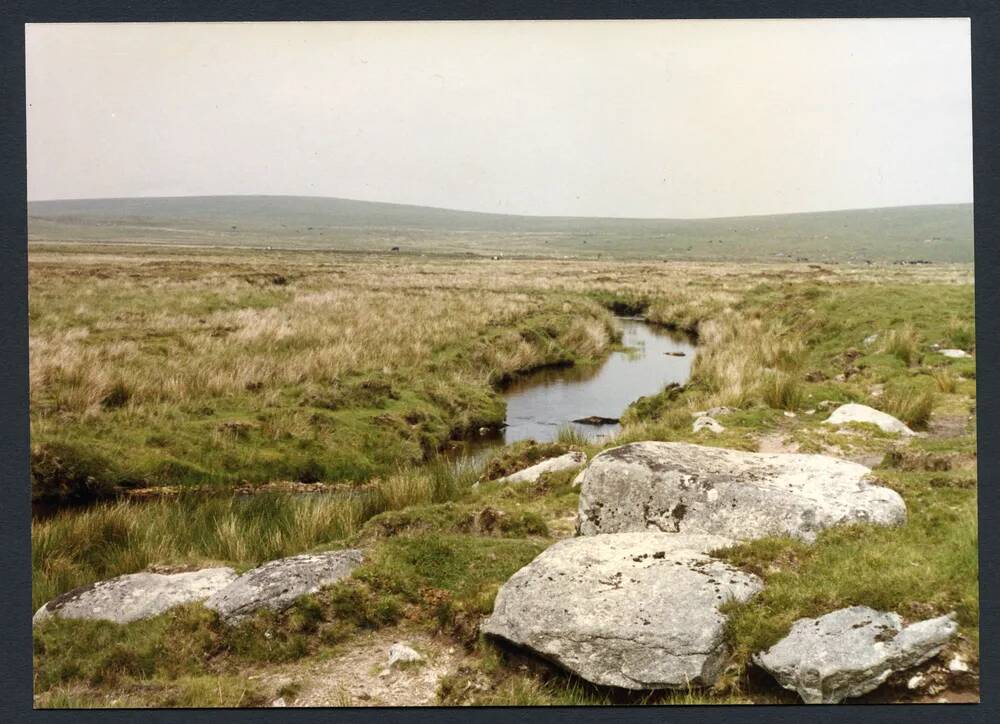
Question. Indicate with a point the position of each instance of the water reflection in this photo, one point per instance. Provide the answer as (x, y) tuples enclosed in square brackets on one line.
[(542, 403)]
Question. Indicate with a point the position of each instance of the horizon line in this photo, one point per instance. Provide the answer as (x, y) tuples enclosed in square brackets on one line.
[(498, 213)]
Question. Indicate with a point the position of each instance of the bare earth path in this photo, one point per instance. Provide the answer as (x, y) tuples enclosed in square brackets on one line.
[(357, 674)]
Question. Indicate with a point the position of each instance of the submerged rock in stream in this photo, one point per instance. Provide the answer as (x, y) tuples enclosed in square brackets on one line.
[(597, 420), (684, 488), (633, 610)]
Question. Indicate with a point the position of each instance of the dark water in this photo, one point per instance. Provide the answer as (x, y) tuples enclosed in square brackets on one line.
[(539, 405), (543, 403)]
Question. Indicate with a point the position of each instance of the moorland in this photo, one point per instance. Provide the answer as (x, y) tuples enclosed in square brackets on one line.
[(204, 395)]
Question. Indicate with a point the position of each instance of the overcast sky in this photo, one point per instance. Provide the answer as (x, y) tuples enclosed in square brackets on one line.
[(604, 118)]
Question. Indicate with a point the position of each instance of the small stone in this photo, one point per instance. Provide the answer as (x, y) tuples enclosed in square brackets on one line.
[(789, 413), (955, 353), (853, 412), (915, 682), (707, 423), (957, 665), (401, 653), (569, 461), (279, 702)]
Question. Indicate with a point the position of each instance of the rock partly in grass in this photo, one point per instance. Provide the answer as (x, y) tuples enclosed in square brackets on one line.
[(569, 461), (633, 610), (276, 585), (955, 353), (853, 412), (712, 412), (683, 488), (400, 653), (851, 651), (707, 423), (136, 596)]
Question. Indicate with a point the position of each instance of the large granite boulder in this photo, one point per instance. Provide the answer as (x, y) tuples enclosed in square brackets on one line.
[(851, 651), (136, 596), (569, 461), (853, 412), (683, 488), (633, 610), (276, 585)]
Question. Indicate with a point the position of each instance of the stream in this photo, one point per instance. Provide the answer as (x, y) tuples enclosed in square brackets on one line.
[(542, 403)]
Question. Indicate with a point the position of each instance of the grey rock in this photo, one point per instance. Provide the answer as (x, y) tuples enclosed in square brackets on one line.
[(851, 651), (276, 585), (401, 653), (633, 610), (136, 596), (853, 412), (707, 423), (713, 412), (569, 461), (955, 353), (684, 488)]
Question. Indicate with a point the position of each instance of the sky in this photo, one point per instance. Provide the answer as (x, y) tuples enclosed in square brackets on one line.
[(674, 119)]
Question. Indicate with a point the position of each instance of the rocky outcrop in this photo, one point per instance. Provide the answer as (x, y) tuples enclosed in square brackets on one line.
[(276, 585), (684, 488), (851, 651), (633, 610), (569, 461), (853, 412), (136, 596)]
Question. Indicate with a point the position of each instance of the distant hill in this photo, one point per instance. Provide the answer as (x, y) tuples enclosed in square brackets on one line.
[(938, 233)]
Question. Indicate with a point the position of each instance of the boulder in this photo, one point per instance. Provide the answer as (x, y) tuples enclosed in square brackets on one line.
[(569, 461), (707, 423), (633, 610), (853, 412), (136, 596), (955, 353), (684, 488), (276, 585), (851, 651)]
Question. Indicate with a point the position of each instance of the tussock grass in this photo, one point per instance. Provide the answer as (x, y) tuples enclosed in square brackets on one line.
[(962, 333), (781, 391), (911, 404), (903, 343), (75, 548), (945, 380)]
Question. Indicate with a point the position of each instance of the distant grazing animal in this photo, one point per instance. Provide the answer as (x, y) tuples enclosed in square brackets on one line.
[(395, 248)]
